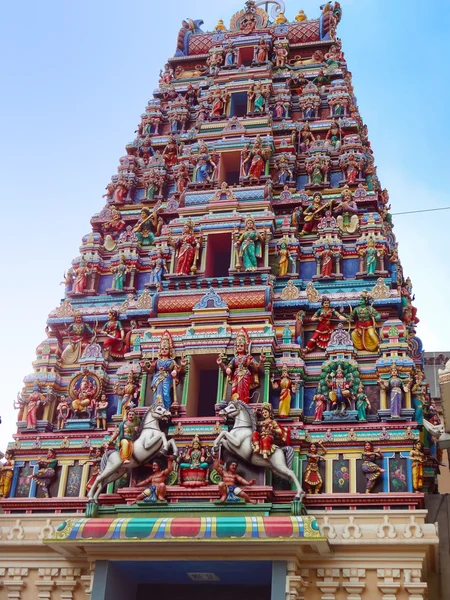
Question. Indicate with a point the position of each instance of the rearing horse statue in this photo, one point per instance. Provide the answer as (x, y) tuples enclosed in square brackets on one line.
[(238, 441)]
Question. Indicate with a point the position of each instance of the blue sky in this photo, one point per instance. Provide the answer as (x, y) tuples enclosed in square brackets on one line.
[(77, 75)]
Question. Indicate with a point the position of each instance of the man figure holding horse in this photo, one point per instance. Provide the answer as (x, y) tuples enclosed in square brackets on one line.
[(157, 480), (125, 434), (263, 439), (228, 487)]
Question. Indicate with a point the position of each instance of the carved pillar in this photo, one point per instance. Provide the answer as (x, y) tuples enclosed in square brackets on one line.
[(45, 583), (266, 379), (204, 251), (64, 464), (295, 582), (329, 584), (387, 584), (318, 266), (67, 583), (184, 397), (14, 582), (220, 384), (143, 389), (354, 587), (338, 264), (88, 580), (413, 584)]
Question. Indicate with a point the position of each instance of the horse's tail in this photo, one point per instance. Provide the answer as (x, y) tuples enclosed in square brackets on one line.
[(289, 455)]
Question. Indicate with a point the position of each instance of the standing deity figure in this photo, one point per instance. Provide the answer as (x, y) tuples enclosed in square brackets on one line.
[(84, 397), (280, 55), (364, 336), (258, 161), (6, 474), (313, 478), (257, 97), (320, 405), (129, 393), (46, 472), (324, 316), (347, 212), (230, 55), (326, 261), (62, 412), (298, 327), (284, 257), (166, 76), (170, 152), (120, 273), (333, 137), (229, 489), (145, 227), (418, 458), (166, 372), (306, 138), (340, 390), (114, 344), (157, 490), (243, 370), (419, 393), (34, 400), (352, 169), (284, 173), (362, 404), (159, 269), (125, 434), (287, 388), (101, 407), (78, 333), (369, 467), (95, 459), (249, 245), (396, 385), (182, 177), (370, 254), (262, 51), (187, 246), (205, 168), (81, 273), (263, 439)]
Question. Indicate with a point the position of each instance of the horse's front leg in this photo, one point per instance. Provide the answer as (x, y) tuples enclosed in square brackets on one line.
[(165, 443), (218, 441)]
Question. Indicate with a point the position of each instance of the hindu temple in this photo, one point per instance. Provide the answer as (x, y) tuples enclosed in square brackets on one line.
[(231, 398)]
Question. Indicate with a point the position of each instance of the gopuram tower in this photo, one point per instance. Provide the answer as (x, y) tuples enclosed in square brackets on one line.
[(234, 363)]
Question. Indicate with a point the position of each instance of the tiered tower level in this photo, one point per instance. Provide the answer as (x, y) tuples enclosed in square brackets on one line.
[(244, 263)]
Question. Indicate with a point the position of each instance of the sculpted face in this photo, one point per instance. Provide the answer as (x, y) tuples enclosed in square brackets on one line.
[(368, 447), (155, 467), (130, 415), (78, 319), (232, 467), (326, 304), (265, 413), (240, 347), (165, 350)]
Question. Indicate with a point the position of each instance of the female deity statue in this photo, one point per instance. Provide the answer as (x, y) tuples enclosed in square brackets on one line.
[(62, 412), (205, 168), (324, 329), (81, 272), (362, 404), (298, 328), (262, 51), (6, 474), (249, 244), (396, 385), (242, 370), (114, 343), (170, 152), (166, 372), (95, 458), (287, 387), (313, 478), (352, 169), (78, 333), (311, 214), (145, 226), (364, 336), (419, 392), (283, 259), (347, 211), (115, 225), (159, 269), (306, 138), (129, 393), (257, 96), (320, 406), (418, 458), (193, 470), (183, 177), (125, 434), (326, 261), (34, 400), (263, 439), (120, 273), (369, 467), (370, 253), (46, 472), (230, 55), (187, 246), (258, 161), (333, 137), (340, 390)]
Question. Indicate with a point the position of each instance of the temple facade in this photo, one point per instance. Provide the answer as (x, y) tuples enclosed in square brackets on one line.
[(231, 397)]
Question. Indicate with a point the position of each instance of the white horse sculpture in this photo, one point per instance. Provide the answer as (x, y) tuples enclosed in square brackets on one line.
[(438, 431), (150, 441), (238, 441)]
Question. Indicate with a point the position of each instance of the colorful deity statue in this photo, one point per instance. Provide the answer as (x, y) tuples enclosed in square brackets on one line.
[(101, 407), (311, 215), (287, 388), (81, 272), (115, 225), (193, 468), (262, 51), (258, 161), (125, 434), (326, 261), (362, 404), (364, 336), (313, 478), (325, 316), (306, 138), (145, 227), (229, 489), (396, 386), (114, 343), (418, 458), (257, 96), (33, 402), (242, 370), (298, 327), (6, 474), (84, 396), (333, 137), (320, 404), (79, 332), (182, 177), (230, 55), (284, 257), (280, 54), (340, 393), (263, 439), (46, 472), (249, 245), (119, 274), (369, 467), (129, 393), (157, 490), (187, 246), (205, 168), (347, 212), (62, 412), (419, 394), (170, 152), (95, 459), (159, 269), (166, 372), (284, 173), (370, 255)]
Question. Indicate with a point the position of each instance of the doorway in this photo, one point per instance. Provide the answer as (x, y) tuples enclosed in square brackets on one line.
[(218, 255)]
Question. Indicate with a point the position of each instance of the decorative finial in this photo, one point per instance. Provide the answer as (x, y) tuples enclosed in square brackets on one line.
[(301, 16), (280, 19), (220, 26)]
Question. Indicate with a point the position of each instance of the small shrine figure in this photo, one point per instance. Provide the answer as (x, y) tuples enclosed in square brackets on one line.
[(120, 273), (114, 344), (157, 490), (369, 467), (298, 328), (62, 412), (78, 333), (284, 173), (187, 246), (95, 459), (81, 272), (170, 152), (311, 214), (362, 404), (364, 336), (125, 434), (229, 489), (419, 393), (370, 254), (101, 407), (284, 257), (333, 137), (193, 469), (326, 261), (280, 54), (84, 399), (297, 218), (418, 458), (145, 227), (205, 168), (347, 211), (159, 269), (263, 439), (46, 472), (257, 96), (6, 474), (129, 393), (182, 178), (313, 478), (166, 76), (320, 405), (33, 402), (340, 390), (306, 138), (288, 388), (249, 244), (115, 225), (258, 161), (262, 51), (166, 372), (242, 370), (324, 316), (352, 169), (230, 55), (396, 385)]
